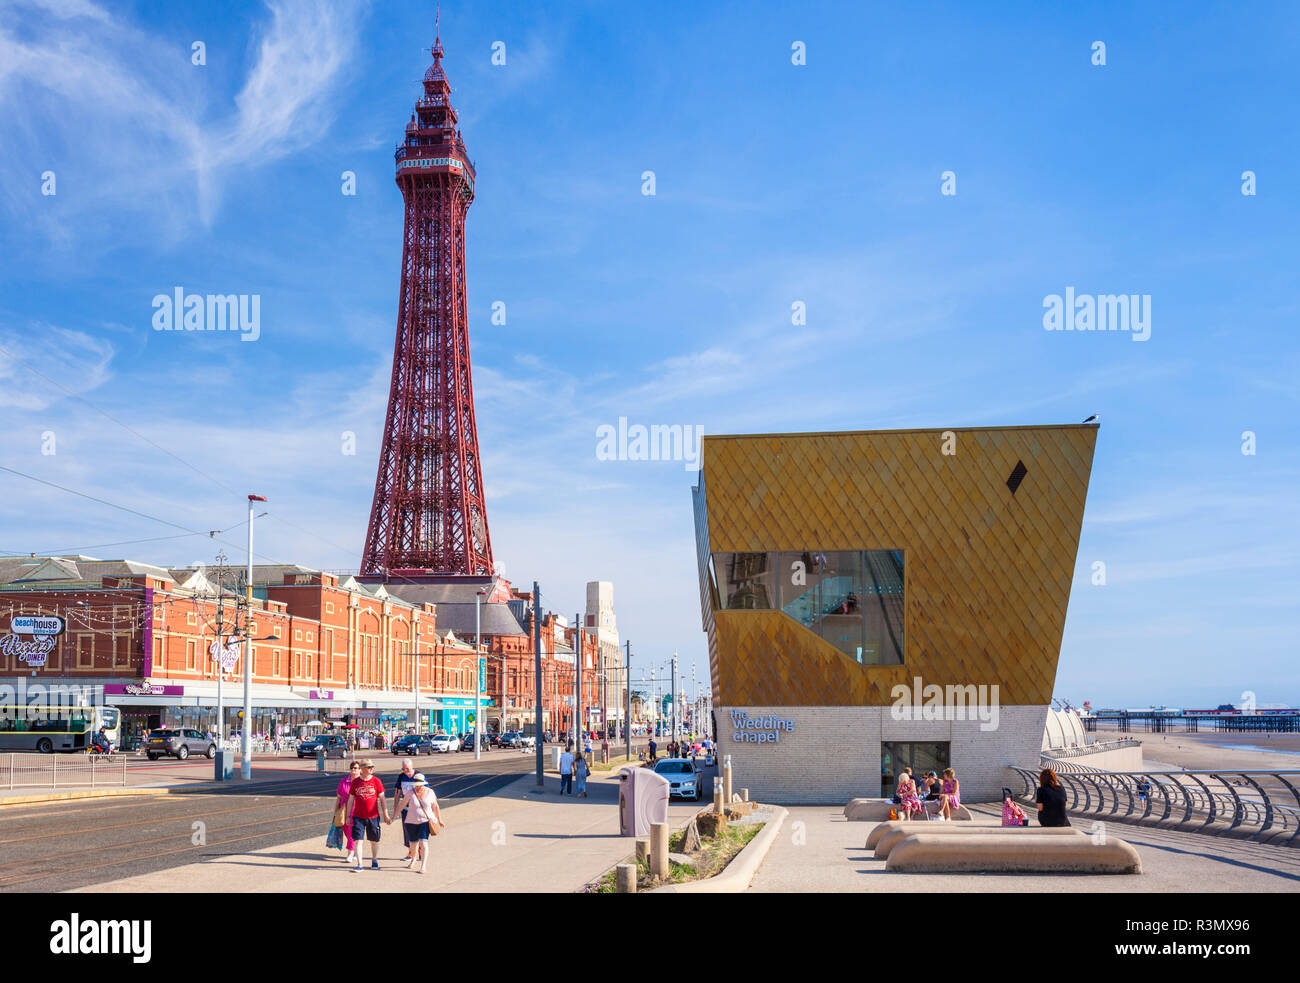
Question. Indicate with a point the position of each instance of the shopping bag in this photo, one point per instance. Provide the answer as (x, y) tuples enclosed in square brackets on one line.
[(334, 839)]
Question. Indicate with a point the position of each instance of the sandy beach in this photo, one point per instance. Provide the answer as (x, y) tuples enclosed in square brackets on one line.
[(1207, 752)]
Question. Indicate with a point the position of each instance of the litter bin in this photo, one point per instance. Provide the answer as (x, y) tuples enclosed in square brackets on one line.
[(224, 766), (555, 751), (642, 800)]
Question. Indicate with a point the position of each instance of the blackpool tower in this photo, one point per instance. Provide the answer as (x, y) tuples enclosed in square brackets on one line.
[(428, 515)]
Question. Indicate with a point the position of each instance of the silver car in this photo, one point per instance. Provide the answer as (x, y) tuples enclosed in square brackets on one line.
[(179, 743)]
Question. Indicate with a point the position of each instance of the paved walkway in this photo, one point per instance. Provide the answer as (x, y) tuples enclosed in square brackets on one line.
[(515, 840), (818, 850)]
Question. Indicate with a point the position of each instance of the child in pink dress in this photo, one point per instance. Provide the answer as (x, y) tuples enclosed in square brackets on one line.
[(950, 793)]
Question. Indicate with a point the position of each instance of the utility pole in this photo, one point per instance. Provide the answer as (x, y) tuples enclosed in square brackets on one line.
[(579, 723), (479, 665), (537, 677), (246, 759), (418, 728), (695, 709), (654, 698), (221, 643), (627, 721), (674, 692)]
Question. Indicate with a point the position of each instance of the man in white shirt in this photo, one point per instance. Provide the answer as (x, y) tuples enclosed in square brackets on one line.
[(566, 772)]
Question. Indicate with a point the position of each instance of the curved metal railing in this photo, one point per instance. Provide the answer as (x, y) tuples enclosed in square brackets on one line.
[(1081, 750), (1260, 805)]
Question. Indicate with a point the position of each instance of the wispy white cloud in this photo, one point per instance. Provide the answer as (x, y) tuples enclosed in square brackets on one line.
[(119, 114), (76, 361)]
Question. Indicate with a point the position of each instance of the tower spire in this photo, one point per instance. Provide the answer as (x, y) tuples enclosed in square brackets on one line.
[(429, 516)]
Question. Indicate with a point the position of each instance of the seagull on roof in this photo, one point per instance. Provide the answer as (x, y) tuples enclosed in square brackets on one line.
[(1093, 419)]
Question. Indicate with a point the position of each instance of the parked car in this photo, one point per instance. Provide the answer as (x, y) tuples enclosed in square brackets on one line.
[(683, 777), (506, 738), (413, 744), (330, 742), (442, 743), (468, 743), (179, 744)]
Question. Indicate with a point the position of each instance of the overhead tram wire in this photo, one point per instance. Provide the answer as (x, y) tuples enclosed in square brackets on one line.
[(143, 515), (108, 416), (81, 550), (176, 457), (341, 549)]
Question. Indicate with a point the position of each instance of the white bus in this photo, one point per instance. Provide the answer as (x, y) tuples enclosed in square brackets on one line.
[(46, 728)]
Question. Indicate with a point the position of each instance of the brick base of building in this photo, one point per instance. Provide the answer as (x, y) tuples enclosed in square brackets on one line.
[(832, 754)]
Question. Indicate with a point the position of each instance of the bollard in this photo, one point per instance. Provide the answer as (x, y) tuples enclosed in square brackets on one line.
[(642, 851), (717, 794), (726, 779), (658, 849), (626, 879), (744, 795), (320, 759)]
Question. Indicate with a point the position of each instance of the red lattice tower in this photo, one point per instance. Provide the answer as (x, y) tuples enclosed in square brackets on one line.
[(428, 514)]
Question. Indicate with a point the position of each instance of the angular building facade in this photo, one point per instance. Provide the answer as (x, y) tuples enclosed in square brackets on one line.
[(882, 599)]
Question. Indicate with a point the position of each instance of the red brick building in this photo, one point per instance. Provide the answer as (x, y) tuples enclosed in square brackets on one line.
[(325, 647), (322, 648)]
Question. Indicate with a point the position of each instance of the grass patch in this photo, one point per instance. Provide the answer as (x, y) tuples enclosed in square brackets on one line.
[(717, 852), (622, 761)]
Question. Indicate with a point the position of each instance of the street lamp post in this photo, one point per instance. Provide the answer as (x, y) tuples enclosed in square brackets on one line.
[(627, 720), (674, 692), (246, 757), (537, 680), (418, 636), (579, 719), (478, 675)]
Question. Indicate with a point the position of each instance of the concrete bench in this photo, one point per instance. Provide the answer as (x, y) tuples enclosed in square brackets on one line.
[(877, 811), (929, 853), (885, 844)]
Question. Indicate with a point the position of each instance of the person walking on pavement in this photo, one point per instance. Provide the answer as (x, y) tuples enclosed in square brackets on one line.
[(581, 770), (653, 748), (404, 778), (366, 803), (419, 806), (566, 772), (344, 791)]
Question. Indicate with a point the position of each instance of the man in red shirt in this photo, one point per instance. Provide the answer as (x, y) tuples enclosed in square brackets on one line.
[(366, 799)]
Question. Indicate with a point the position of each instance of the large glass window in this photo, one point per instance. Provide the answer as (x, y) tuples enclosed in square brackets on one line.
[(744, 580), (851, 598), (921, 756)]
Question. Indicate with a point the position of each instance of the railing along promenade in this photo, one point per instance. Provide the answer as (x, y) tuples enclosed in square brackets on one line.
[(1259, 805), (1080, 750)]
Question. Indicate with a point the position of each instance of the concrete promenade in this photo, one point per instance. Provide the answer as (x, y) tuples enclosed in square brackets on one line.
[(514, 840), (831, 858)]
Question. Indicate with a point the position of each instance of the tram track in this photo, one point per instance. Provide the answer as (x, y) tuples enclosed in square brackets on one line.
[(58, 868)]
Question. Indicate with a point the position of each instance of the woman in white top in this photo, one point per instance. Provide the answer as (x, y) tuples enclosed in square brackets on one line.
[(421, 805)]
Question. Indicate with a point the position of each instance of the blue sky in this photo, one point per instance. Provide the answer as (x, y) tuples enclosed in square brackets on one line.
[(775, 183)]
